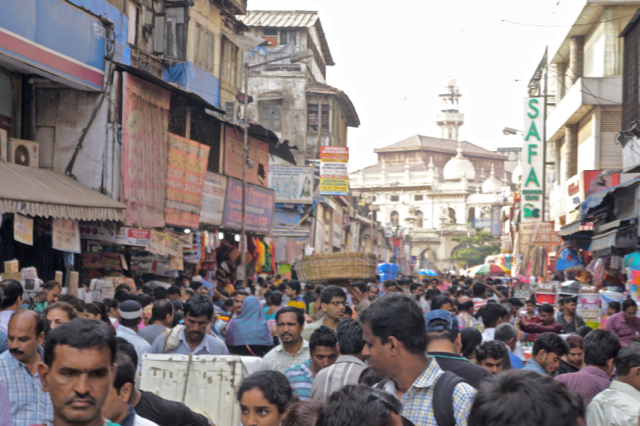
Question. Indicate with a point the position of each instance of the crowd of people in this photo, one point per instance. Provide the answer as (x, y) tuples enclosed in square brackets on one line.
[(401, 352)]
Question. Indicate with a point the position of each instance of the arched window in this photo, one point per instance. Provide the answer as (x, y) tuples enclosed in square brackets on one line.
[(395, 218), (472, 214), (419, 219), (452, 215)]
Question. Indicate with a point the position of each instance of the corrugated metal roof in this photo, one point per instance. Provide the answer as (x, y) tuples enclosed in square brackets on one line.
[(37, 192), (289, 19), (345, 103)]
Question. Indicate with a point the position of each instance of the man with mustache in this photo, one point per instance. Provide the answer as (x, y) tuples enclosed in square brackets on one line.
[(30, 404), (193, 337), (78, 371), (294, 349)]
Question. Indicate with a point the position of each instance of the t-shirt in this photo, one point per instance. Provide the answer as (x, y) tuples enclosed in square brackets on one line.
[(470, 372), (297, 302), (478, 303), (167, 413)]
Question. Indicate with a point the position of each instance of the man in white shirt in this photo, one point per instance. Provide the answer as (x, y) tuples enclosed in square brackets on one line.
[(620, 404), (130, 316)]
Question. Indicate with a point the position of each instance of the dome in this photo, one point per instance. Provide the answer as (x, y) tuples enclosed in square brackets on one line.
[(516, 175), (492, 185), (459, 167)]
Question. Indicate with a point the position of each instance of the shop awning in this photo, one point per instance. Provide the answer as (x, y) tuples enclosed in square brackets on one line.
[(571, 228), (297, 234), (37, 192), (619, 234), (594, 200), (603, 242)]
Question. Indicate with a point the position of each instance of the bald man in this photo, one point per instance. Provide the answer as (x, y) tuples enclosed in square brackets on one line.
[(30, 405)]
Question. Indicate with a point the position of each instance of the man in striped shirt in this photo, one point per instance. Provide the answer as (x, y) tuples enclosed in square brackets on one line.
[(324, 352), (348, 367)]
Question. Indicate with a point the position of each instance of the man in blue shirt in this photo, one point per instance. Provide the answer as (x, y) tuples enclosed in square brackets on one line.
[(548, 350), (508, 334)]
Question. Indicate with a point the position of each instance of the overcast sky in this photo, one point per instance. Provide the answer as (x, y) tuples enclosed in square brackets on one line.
[(393, 58)]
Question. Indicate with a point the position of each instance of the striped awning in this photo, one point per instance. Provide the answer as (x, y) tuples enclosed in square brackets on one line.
[(36, 192)]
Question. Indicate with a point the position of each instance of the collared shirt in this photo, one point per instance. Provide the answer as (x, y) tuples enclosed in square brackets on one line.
[(279, 360), (301, 379), (3, 342), (621, 328), (29, 404), (5, 407), (417, 402), (5, 316), (139, 343), (571, 326), (346, 371), (309, 329), (151, 332), (532, 365), (617, 406), (210, 345), (588, 382)]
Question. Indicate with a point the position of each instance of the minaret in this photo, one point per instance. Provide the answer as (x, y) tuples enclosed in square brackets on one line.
[(449, 119)]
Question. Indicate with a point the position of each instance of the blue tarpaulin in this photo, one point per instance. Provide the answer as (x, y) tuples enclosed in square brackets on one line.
[(195, 80)]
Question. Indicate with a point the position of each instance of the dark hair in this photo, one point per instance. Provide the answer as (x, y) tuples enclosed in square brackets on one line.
[(479, 289), (295, 286), (531, 301), (229, 303), (628, 358), (174, 289), (274, 386), (370, 286), (551, 343), (439, 301), (330, 292), (505, 332), (367, 378), (126, 372), (470, 338), (303, 413), (63, 306), (584, 331), (322, 336), (491, 349), (50, 285), (391, 283), (291, 310), (546, 308), (160, 293), (12, 291), (189, 291), (111, 304), (239, 293), (39, 320), (359, 405), (143, 299), (195, 285), (561, 301), (628, 303), (466, 306), (574, 342), (177, 306), (276, 298), (491, 313), (550, 401), (398, 316), (350, 337), (198, 306), (615, 305), (599, 347), (160, 310), (98, 308), (318, 289), (81, 333), (122, 296), (514, 301), (414, 286), (202, 272), (444, 334), (125, 347)]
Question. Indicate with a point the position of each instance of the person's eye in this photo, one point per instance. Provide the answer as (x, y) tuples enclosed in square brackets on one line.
[(244, 410), (263, 412)]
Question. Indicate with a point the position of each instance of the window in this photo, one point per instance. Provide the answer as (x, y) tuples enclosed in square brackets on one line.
[(394, 198), (270, 113), (418, 197), (375, 198), (313, 117), (230, 110), (288, 36), (204, 54), (271, 35), (419, 219), (395, 219), (230, 63)]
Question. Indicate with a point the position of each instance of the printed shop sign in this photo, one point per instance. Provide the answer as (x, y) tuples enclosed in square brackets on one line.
[(292, 184), (260, 205), (164, 244), (215, 188), (133, 237), (533, 167), (23, 229), (98, 231), (334, 170), (65, 235)]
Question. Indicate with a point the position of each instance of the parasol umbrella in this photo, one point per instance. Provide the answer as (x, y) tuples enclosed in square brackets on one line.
[(488, 269)]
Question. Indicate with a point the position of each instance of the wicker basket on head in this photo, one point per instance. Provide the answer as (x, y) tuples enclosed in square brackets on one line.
[(335, 266)]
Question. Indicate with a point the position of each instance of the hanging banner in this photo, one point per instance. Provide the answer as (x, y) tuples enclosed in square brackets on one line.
[(164, 244), (65, 235), (133, 237), (144, 151), (334, 170), (186, 170), (533, 165), (292, 184), (215, 188), (98, 231), (496, 222), (260, 205), (23, 229), (257, 156)]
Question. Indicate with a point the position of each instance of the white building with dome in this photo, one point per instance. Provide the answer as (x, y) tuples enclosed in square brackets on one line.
[(433, 188)]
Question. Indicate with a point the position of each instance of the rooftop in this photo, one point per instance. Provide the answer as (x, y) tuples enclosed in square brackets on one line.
[(428, 143), (346, 105)]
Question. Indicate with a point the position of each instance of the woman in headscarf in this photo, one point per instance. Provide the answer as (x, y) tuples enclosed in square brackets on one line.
[(248, 334)]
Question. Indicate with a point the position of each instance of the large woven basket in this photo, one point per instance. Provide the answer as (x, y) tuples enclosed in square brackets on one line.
[(335, 266)]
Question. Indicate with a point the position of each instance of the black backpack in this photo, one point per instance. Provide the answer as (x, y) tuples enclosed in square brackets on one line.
[(442, 397)]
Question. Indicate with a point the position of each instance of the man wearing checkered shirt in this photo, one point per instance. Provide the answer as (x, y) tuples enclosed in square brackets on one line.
[(395, 338)]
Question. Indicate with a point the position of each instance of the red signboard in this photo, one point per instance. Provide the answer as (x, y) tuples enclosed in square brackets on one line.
[(595, 180), (258, 155), (144, 151), (186, 170), (259, 207)]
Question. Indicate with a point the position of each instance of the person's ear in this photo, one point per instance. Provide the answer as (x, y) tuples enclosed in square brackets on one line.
[(394, 345), (609, 365), (125, 392), (458, 342), (43, 372), (323, 306), (40, 338)]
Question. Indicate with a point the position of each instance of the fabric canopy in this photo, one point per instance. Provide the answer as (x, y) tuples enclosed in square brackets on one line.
[(38, 192)]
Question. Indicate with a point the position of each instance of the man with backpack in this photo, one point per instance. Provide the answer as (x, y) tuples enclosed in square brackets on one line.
[(395, 338)]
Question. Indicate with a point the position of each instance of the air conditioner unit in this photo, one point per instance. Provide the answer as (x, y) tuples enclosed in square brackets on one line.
[(24, 153)]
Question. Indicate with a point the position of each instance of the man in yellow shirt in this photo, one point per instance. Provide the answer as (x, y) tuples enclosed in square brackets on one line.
[(293, 293)]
